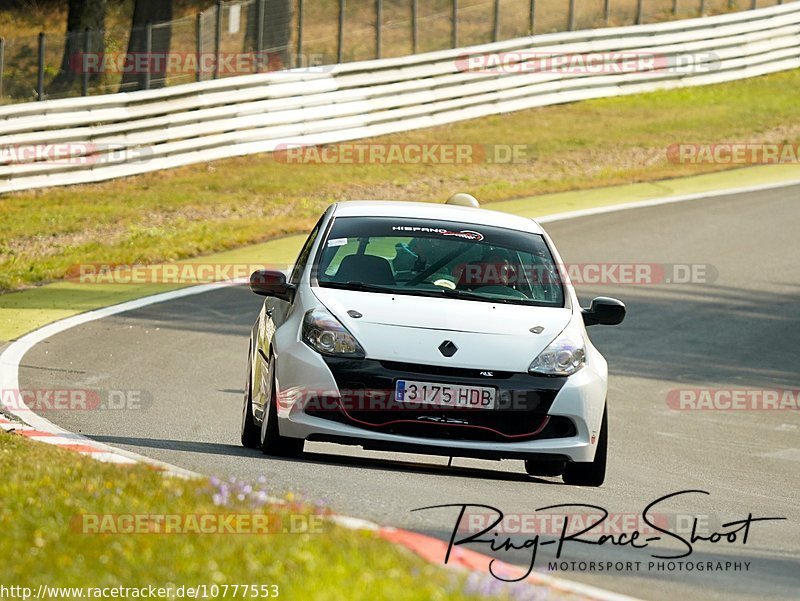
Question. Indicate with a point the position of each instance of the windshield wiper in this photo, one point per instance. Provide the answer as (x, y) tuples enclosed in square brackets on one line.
[(360, 286), (436, 293), (462, 294)]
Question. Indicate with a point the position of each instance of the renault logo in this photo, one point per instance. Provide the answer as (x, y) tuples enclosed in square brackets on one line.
[(448, 348)]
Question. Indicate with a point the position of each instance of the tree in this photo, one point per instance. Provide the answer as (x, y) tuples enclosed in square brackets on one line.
[(81, 15), (144, 12), (277, 32)]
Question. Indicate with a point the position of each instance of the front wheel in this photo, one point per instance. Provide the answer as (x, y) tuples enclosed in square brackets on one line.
[(272, 443), (591, 473)]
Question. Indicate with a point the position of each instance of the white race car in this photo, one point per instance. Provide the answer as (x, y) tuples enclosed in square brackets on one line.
[(438, 329)]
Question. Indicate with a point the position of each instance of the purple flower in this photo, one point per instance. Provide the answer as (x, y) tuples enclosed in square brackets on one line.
[(471, 585)]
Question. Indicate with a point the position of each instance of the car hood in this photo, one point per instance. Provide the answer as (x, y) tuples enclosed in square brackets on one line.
[(410, 329)]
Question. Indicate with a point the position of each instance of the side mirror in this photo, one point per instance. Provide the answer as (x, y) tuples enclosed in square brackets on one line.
[(604, 311), (271, 283)]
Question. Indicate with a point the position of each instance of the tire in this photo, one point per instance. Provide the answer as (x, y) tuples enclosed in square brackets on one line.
[(272, 443), (251, 433), (591, 473), (546, 468)]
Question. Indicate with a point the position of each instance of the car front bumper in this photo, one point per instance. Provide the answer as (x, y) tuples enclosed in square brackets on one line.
[(537, 416)]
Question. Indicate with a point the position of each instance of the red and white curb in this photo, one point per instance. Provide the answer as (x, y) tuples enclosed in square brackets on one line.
[(68, 442), (433, 550)]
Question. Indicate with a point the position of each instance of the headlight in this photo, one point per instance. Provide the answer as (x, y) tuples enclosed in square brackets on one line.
[(564, 356), (323, 332)]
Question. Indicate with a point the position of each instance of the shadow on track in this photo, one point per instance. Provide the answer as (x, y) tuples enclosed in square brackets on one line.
[(368, 463)]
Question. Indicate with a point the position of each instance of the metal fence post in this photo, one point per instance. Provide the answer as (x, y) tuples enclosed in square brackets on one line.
[(754, 4), (532, 17), (606, 10), (378, 26), (571, 20), (2, 63), (299, 30), (414, 26), (148, 49), (455, 23), (340, 44), (85, 63), (259, 34), (640, 12), (40, 78), (217, 39), (496, 32), (198, 30), (702, 6), (674, 7)]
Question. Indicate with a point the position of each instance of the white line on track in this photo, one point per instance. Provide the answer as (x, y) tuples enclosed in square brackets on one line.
[(12, 356), (655, 202)]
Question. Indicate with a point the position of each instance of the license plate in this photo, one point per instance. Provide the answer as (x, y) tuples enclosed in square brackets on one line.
[(445, 395)]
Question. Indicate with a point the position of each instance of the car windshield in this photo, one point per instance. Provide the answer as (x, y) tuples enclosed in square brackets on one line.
[(439, 258)]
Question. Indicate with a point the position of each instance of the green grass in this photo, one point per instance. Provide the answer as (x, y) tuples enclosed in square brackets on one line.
[(31, 308), (44, 490), (228, 204)]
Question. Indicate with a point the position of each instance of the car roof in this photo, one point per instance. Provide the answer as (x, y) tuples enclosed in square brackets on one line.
[(436, 211)]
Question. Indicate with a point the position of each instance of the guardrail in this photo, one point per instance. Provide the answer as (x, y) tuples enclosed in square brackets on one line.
[(99, 138)]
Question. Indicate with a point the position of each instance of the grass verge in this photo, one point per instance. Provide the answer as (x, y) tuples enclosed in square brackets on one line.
[(207, 208), (48, 541)]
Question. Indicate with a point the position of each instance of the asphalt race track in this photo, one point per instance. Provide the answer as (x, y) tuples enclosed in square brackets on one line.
[(739, 331)]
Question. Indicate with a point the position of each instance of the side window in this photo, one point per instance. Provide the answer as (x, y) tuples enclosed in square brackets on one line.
[(302, 258)]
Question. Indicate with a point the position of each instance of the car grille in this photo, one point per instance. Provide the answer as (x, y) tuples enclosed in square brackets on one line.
[(440, 370), (367, 402)]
